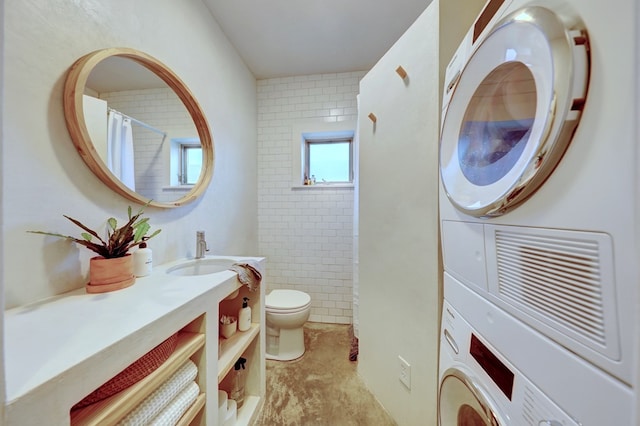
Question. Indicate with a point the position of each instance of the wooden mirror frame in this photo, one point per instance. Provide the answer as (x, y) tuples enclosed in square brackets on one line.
[(74, 116)]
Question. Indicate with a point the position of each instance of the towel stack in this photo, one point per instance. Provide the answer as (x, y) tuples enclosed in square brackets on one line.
[(168, 403), (227, 409)]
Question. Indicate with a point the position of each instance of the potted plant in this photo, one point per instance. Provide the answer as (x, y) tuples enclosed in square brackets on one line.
[(112, 269)]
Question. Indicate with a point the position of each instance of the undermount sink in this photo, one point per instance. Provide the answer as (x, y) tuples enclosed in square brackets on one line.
[(203, 266)]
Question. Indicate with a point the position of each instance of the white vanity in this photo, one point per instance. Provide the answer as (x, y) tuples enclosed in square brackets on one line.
[(61, 349)]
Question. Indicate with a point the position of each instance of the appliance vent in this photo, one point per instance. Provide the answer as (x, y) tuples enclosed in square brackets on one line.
[(557, 278), (530, 412)]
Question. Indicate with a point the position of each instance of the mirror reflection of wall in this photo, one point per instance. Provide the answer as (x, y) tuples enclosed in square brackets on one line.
[(159, 124), (95, 111)]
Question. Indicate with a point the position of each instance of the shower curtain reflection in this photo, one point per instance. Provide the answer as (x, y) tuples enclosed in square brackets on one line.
[(120, 157)]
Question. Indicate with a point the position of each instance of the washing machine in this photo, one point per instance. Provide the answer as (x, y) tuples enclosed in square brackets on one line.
[(538, 172), (500, 372)]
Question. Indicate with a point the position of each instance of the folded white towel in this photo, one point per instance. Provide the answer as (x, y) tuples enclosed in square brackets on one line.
[(160, 398), (176, 408)]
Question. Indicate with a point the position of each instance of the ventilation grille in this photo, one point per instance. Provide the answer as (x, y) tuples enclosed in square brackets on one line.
[(557, 278), (530, 411)]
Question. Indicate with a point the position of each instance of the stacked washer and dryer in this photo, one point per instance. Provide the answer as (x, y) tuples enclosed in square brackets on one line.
[(537, 206)]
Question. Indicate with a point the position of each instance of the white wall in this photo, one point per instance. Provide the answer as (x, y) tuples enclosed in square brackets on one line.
[(306, 233), (398, 236), (2, 368), (456, 17), (42, 175)]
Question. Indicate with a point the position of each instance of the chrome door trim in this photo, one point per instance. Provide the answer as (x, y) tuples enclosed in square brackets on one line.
[(490, 414)]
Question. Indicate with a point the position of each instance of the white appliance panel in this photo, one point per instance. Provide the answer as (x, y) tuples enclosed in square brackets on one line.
[(588, 194), (548, 383)]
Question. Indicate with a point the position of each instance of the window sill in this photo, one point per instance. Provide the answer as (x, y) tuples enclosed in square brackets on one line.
[(323, 186)]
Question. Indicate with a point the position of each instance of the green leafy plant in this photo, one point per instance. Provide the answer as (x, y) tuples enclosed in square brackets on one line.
[(118, 241)]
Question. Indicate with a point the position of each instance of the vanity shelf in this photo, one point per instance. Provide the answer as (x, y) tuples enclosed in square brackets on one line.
[(193, 411), (233, 348), (79, 341), (114, 408), (249, 345)]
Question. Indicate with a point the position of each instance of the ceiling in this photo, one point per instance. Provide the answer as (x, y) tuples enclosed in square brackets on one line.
[(117, 73), (278, 38)]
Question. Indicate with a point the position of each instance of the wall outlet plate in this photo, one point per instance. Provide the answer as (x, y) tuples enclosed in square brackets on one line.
[(405, 372)]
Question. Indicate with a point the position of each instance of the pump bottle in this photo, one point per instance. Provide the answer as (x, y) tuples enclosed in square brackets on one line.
[(244, 315), (142, 261)]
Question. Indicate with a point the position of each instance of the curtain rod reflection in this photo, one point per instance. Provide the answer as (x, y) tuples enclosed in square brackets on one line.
[(141, 123)]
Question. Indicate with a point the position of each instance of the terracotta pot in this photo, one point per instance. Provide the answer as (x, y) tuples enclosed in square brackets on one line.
[(110, 274)]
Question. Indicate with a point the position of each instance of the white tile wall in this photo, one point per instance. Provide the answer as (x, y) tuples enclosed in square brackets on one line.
[(306, 233)]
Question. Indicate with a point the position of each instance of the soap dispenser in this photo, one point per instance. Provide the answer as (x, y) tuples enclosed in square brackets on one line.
[(244, 315), (142, 260)]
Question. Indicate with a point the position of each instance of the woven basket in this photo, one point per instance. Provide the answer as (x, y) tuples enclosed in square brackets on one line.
[(133, 373)]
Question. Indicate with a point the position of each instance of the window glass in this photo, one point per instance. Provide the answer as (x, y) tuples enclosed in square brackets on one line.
[(497, 124), (191, 164), (329, 161)]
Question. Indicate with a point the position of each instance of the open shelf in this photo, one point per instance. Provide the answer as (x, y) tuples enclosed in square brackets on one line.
[(233, 347), (248, 345), (114, 408), (192, 412), (248, 411)]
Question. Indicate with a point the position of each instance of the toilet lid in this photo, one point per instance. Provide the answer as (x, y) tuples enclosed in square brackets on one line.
[(287, 299)]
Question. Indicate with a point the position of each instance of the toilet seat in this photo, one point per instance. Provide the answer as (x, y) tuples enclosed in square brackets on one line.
[(287, 311), (287, 301)]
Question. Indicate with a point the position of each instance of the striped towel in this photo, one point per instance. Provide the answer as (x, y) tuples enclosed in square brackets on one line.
[(248, 273)]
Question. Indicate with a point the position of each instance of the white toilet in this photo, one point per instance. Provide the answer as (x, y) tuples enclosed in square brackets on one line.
[(286, 312)]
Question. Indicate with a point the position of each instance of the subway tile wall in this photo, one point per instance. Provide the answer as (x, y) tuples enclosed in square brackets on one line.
[(305, 233)]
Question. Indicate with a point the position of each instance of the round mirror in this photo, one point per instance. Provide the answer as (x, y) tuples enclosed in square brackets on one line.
[(138, 127)]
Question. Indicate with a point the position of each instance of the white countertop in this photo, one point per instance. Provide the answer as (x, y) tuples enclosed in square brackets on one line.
[(47, 339)]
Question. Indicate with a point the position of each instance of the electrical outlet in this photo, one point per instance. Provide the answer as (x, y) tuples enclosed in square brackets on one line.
[(405, 372)]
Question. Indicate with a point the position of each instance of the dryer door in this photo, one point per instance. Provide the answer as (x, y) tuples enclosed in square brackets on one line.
[(513, 113), (463, 403)]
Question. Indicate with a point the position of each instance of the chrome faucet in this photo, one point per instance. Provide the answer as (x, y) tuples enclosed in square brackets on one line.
[(201, 245)]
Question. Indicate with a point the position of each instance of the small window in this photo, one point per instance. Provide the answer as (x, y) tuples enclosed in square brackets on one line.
[(328, 160), (191, 163)]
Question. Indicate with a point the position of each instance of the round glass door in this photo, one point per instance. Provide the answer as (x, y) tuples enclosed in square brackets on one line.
[(497, 124), (513, 112), (461, 403)]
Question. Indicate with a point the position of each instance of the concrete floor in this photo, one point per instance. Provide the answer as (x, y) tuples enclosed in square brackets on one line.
[(322, 387)]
